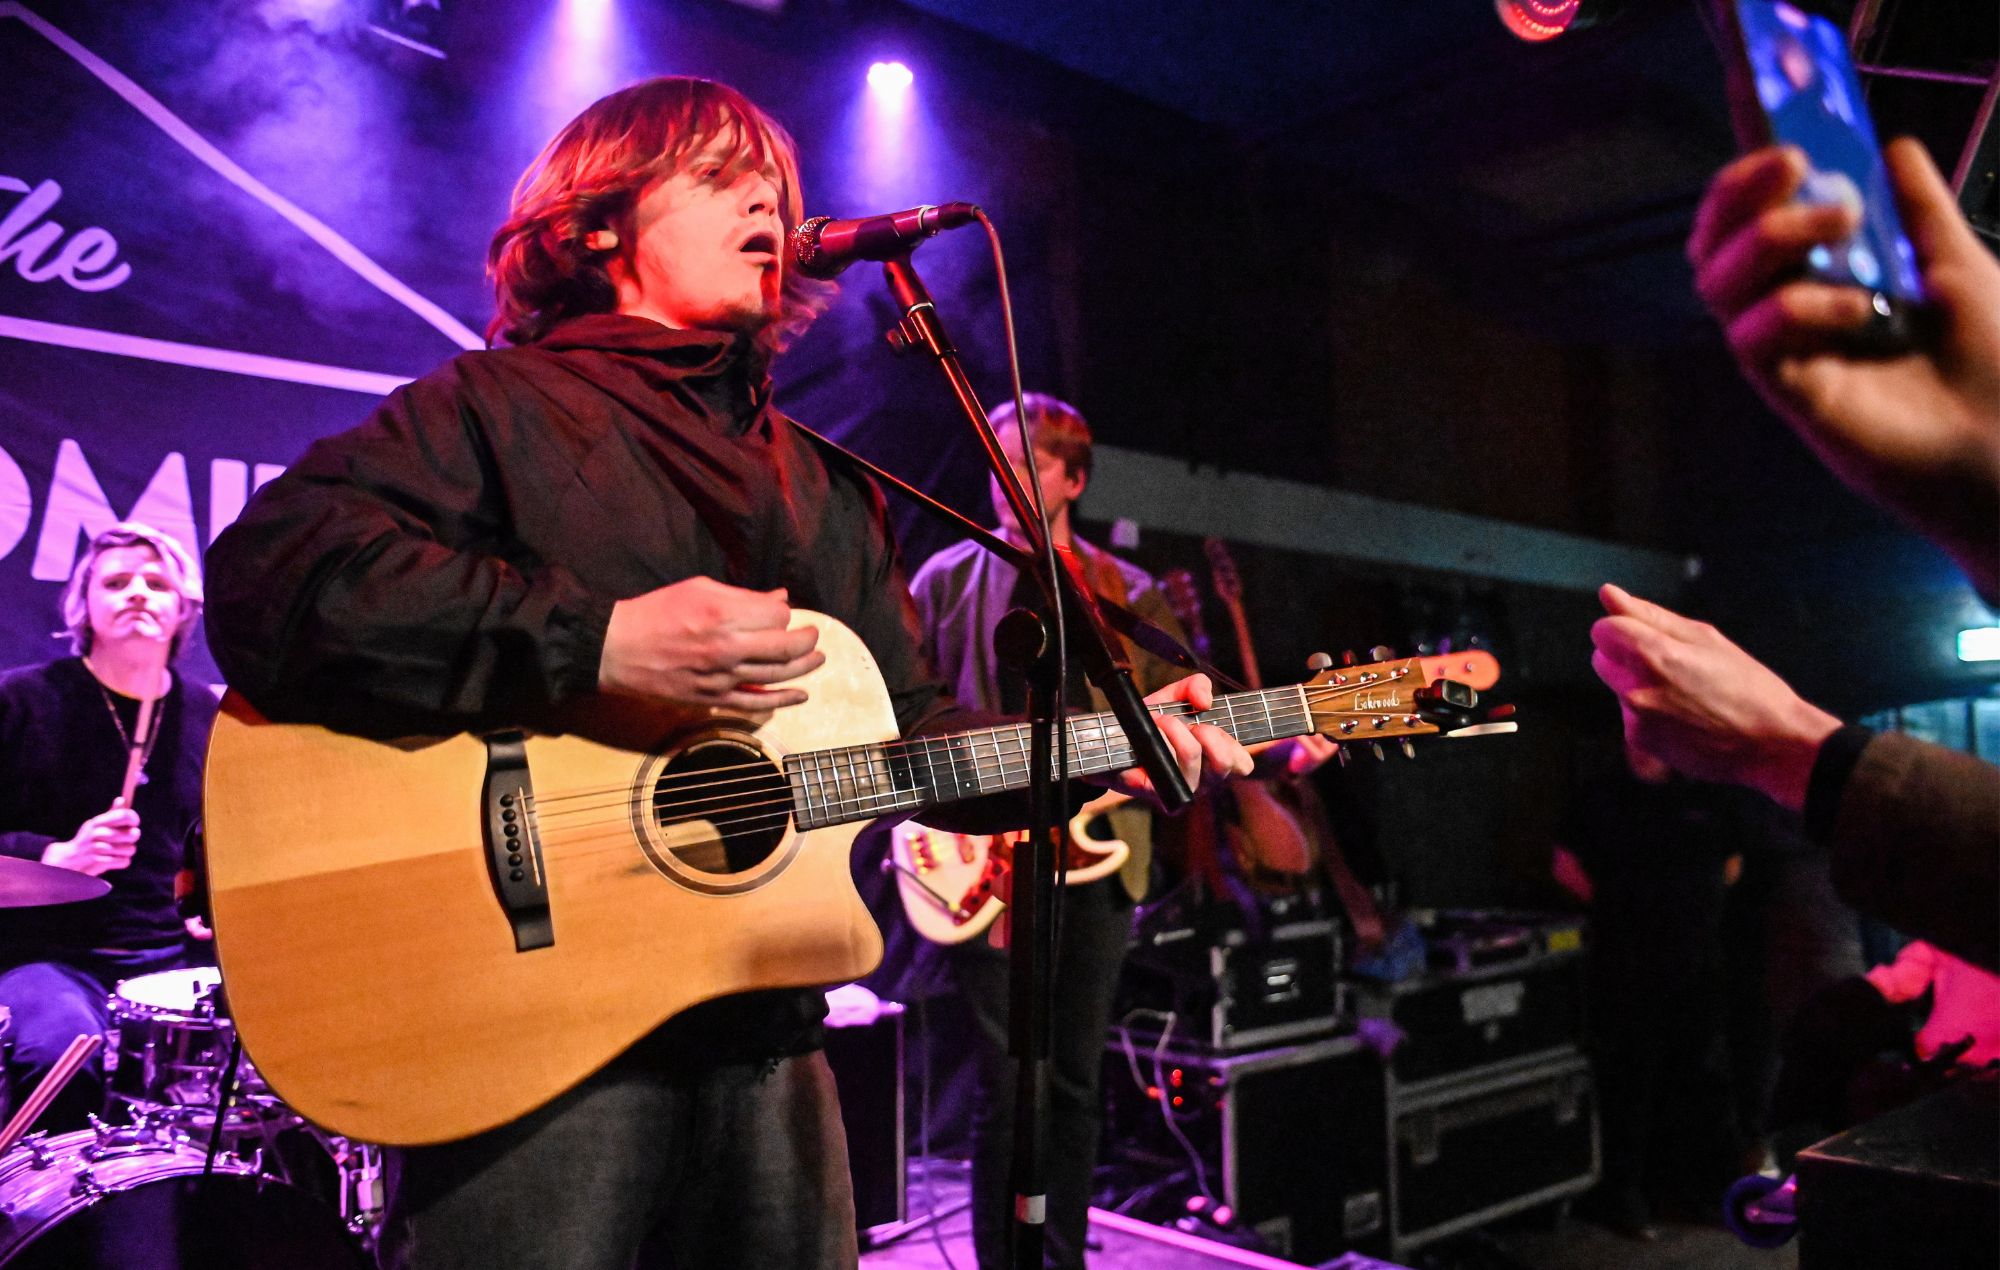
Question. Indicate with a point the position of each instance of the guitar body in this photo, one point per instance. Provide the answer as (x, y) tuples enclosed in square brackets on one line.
[(954, 885), (373, 972)]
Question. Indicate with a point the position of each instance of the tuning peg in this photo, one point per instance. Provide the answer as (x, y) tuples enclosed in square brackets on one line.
[(1319, 661), (1381, 652), (1409, 750), (1348, 658), (1377, 747), (1342, 755)]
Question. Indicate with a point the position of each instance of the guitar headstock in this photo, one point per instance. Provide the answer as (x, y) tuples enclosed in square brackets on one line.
[(1395, 699)]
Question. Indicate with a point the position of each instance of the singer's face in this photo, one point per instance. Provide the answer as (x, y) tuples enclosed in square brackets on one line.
[(132, 597), (708, 251)]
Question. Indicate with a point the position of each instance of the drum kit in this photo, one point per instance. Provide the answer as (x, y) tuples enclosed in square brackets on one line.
[(195, 1161)]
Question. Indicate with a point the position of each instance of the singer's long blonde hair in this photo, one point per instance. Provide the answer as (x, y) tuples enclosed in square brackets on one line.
[(591, 176)]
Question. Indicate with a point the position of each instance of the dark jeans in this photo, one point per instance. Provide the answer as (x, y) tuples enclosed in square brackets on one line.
[(1096, 926), (54, 1002), (644, 1164)]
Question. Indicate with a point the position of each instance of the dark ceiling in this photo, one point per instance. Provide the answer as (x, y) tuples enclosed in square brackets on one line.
[(1558, 179)]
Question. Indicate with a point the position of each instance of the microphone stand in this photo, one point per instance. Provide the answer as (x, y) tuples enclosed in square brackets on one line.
[(1024, 639)]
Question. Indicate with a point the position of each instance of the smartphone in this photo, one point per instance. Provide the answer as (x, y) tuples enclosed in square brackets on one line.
[(1792, 83)]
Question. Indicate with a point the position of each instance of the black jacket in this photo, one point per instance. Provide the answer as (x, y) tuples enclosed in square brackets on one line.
[(451, 563)]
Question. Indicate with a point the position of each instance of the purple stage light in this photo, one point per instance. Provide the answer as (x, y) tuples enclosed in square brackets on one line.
[(587, 21), (890, 79)]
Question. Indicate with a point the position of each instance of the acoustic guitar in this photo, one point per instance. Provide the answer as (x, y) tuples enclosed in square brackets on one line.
[(429, 937)]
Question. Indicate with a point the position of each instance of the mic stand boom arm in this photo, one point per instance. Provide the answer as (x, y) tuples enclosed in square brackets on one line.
[(1031, 945)]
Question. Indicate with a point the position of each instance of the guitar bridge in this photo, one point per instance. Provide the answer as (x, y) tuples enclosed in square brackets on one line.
[(513, 847)]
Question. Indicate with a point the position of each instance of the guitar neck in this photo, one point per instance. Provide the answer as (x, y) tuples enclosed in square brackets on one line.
[(862, 782)]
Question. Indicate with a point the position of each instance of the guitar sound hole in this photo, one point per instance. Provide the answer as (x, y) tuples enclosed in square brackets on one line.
[(721, 807)]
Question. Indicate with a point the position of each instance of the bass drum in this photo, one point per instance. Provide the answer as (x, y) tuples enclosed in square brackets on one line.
[(111, 1200)]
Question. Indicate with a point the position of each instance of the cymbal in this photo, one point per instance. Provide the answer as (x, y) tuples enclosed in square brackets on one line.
[(24, 883)]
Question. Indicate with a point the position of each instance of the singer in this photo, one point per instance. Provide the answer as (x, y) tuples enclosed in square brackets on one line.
[(612, 505), (69, 731)]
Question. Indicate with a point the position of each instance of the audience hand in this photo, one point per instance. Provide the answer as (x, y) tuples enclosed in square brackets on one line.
[(1918, 432), (1703, 706)]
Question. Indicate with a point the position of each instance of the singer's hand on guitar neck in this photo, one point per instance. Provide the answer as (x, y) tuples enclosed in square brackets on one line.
[(105, 842), (706, 644), (1207, 755)]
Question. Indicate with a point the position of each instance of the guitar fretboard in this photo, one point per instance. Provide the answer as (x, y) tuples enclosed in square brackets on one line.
[(861, 782)]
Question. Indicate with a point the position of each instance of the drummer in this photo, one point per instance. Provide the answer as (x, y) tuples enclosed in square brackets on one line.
[(70, 741)]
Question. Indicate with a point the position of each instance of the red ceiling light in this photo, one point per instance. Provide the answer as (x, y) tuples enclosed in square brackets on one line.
[(1537, 20), (1540, 20)]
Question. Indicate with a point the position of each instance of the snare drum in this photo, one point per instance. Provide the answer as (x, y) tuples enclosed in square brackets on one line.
[(171, 1041), (119, 1200)]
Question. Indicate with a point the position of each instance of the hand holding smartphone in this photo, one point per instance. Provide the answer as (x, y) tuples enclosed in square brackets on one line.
[(1792, 83)]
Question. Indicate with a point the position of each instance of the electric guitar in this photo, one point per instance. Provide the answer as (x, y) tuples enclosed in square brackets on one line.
[(954, 885), (429, 937)]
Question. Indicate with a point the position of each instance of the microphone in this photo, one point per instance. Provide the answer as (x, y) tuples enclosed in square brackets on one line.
[(822, 247)]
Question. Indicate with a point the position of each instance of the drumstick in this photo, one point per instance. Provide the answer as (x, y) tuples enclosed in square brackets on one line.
[(65, 1068), (142, 735)]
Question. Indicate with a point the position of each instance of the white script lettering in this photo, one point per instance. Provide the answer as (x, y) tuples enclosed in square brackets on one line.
[(88, 261)]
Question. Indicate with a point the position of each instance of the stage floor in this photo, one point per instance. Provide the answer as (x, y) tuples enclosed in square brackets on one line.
[(1117, 1245)]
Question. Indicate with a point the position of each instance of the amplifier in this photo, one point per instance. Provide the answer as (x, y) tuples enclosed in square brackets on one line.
[(1488, 1143), (1293, 1138), (1916, 1187), (1232, 992), (1455, 1020)]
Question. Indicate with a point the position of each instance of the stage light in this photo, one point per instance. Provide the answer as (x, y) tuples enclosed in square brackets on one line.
[(890, 79), (1539, 20), (1980, 643)]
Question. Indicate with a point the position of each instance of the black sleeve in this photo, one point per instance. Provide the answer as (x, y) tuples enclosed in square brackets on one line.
[(1915, 842), (369, 587)]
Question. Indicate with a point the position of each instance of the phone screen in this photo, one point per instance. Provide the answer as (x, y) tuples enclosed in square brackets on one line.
[(1812, 99)]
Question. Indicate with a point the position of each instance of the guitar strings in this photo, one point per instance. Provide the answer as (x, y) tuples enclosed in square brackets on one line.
[(871, 769), (872, 802), (873, 759), (926, 748), (739, 826), (1227, 706), (733, 807)]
